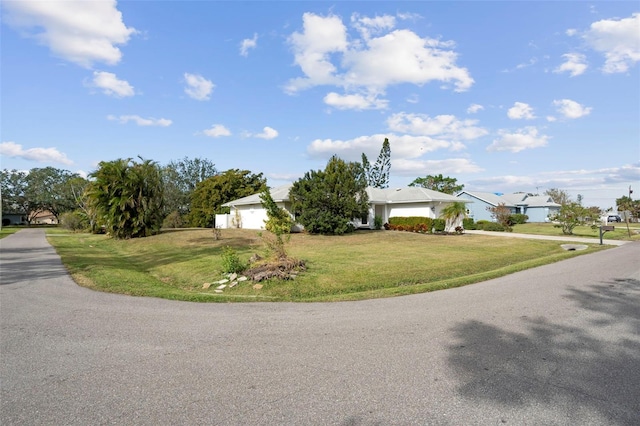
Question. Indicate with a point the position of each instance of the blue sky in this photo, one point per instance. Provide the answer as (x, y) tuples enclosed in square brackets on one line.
[(503, 96)]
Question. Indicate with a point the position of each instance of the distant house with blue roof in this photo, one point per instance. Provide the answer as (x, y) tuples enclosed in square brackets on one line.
[(537, 207)]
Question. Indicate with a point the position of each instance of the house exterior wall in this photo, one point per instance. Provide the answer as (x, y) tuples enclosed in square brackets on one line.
[(13, 219), (252, 216), (540, 214), (407, 210), (477, 209)]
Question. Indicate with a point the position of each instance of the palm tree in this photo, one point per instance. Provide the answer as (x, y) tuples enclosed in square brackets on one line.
[(453, 214), (128, 197)]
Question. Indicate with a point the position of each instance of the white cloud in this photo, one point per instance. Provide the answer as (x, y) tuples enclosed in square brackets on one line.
[(83, 32), (575, 64), (571, 109), (321, 37), (473, 108), (442, 126), (328, 55), (41, 155), (402, 146), (110, 85), (522, 139), (408, 167), (413, 99), (124, 119), (368, 26), (618, 40), (248, 43), (216, 131), (356, 102), (198, 87), (520, 111), (267, 133)]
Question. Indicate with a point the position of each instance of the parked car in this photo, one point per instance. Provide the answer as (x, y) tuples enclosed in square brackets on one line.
[(614, 218)]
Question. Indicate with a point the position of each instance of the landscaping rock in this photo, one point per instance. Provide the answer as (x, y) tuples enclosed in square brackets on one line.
[(284, 269), (242, 278), (224, 281), (206, 285), (233, 276), (233, 284), (257, 286), (222, 286), (218, 291)]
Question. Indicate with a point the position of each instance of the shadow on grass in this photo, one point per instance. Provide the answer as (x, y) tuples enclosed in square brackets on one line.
[(578, 371)]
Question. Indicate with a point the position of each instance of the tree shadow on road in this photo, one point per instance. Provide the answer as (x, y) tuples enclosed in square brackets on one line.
[(552, 366)]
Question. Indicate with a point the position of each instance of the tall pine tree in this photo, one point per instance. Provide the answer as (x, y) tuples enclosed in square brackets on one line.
[(378, 175)]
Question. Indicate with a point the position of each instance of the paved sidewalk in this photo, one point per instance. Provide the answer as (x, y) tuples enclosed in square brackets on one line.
[(549, 237)]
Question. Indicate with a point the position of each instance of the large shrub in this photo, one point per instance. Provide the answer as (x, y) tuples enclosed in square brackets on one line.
[(73, 221), (326, 201), (518, 219)]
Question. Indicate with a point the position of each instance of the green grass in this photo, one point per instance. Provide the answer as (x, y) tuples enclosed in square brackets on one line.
[(8, 230), (366, 264), (620, 232)]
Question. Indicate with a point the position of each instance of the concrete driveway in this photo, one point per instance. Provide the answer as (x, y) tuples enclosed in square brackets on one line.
[(558, 344)]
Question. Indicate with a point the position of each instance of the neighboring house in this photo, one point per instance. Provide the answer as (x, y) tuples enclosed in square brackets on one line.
[(537, 207), (13, 219), (248, 212), (44, 218)]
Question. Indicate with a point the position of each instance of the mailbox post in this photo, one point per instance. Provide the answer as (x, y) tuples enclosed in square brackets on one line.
[(605, 228)]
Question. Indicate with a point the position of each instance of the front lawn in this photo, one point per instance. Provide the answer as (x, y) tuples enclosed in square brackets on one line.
[(366, 264), (620, 232), (8, 230)]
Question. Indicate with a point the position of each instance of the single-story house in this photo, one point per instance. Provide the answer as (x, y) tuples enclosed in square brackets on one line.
[(44, 218), (248, 212), (13, 218), (537, 207)]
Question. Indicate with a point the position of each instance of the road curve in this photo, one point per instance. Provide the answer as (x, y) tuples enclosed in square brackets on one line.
[(558, 344)]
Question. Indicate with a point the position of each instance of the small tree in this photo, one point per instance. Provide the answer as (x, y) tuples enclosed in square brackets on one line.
[(279, 223), (210, 194), (325, 202), (453, 215), (502, 214), (558, 196), (440, 183), (573, 214)]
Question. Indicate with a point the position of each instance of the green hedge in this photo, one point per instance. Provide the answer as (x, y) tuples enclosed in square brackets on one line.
[(518, 219), (468, 223), (493, 226), (416, 224)]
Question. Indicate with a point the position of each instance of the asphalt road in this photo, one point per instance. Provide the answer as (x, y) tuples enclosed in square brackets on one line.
[(559, 344)]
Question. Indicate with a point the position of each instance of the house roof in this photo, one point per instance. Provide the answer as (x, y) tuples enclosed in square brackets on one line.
[(540, 201), (408, 195), (515, 199), (376, 196), (279, 194), (488, 197)]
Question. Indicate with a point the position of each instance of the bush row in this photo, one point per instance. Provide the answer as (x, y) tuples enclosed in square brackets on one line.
[(428, 225), (424, 225)]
